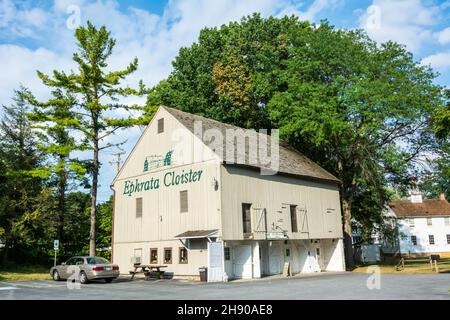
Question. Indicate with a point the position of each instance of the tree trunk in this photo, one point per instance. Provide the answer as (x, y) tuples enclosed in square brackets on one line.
[(94, 198), (348, 246), (5, 253)]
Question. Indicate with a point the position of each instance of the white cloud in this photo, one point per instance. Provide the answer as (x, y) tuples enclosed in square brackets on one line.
[(408, 22), (19, 66), (444, 36), (439, 61), (20, 21)]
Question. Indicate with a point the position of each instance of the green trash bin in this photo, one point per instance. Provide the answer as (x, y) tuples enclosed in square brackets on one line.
[(203, 274)]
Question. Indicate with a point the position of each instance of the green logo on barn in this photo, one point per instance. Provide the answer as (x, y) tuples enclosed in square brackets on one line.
[(158, 161)]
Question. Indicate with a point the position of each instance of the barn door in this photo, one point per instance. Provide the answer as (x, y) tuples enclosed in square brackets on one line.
[(215, 261), (303, 223)]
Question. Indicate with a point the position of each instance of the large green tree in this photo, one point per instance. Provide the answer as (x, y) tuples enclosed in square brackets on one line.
[(21, 193), (94, 91), (360, 109), (51, 123)]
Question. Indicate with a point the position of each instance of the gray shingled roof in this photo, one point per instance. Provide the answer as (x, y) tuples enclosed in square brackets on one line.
[(196, 234), (291, 161)]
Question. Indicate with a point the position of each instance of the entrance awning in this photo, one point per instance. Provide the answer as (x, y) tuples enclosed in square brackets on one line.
[(197, 234)]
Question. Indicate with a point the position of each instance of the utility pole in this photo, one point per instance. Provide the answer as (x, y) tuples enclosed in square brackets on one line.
[(118, 161)]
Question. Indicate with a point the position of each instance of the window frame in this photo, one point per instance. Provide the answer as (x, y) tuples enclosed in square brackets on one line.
[(180, 249), (413, 239), (151, 251), (246, 223), (141, 201), (293, 216), (187, 201), (227, 252), (160, 126), (429, 222), (448, 238), (171, 255), (411, 222), (430, 238), (447, 221)]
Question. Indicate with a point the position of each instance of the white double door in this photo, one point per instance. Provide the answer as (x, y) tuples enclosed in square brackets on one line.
[(243, 262)]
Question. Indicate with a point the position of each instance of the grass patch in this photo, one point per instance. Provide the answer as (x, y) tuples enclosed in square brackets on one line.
[(23, 273), (412, 266)]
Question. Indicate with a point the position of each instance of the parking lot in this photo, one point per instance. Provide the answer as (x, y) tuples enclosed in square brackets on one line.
[(318, 286)]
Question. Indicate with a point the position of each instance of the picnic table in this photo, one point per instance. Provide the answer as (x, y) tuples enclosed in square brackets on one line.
[(147, 269)]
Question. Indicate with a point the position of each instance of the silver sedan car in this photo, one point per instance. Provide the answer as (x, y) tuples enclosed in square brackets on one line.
[(86, 268)]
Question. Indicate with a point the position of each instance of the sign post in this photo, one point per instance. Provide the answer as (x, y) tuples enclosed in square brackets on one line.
[(55, 247)]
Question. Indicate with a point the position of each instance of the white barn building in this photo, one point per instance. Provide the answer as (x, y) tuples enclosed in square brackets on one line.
[(178, 203)]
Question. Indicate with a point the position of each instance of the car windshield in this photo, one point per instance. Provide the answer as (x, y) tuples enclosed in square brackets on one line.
[(96, 260)]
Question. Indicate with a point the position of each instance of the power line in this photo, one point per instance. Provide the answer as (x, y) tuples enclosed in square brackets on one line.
[(118, 161)]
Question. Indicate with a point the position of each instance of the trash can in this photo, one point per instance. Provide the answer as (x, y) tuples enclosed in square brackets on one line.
[(203, 274)]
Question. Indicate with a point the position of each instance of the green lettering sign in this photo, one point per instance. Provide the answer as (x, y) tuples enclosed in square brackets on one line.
[(171, 178)]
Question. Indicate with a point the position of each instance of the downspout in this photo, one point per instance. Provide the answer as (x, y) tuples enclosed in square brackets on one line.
[(112, 223)]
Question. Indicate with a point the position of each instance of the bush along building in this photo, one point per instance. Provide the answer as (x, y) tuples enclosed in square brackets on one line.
[(197, 193)]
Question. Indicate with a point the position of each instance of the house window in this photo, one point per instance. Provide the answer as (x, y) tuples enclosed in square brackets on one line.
[(183, 254), (429, 222), (168, 255), (448, 239), (153, 255), (138, 207), (184, 201), (431, 239), (411, 222), (246, 217), (288, 252), (161, 125), (447, 221), (294, 218), (414, 240), (227, 253)]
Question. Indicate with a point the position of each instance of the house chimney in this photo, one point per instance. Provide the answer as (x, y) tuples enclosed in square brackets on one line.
[(442, 196), (416, 197)]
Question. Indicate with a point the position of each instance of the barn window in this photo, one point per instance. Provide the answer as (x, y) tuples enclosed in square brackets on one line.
[(414, 240), (154, 255), (411, 222), (294, 218), (184, 201), (246, 218), (447, 221), (183, 255), (429, 222), (167, 255), (448, 239), (138, 207), (161, 125), (227, 253)]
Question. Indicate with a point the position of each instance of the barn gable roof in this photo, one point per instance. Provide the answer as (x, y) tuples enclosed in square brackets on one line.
[(291, 162)]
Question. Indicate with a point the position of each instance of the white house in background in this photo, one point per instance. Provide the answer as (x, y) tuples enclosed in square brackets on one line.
[(423, 225), (186, 212)]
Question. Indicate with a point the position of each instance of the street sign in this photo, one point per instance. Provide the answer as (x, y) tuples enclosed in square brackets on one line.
[(56, 244)]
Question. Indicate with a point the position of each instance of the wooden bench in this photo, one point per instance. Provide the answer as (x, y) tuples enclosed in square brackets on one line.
[(148, 271)]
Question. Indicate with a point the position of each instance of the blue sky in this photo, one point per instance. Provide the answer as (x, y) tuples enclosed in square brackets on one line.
[(38, 35)]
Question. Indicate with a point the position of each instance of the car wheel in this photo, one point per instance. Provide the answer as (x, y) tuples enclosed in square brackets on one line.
[(56, 276), (83, 278), (108, 280)]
